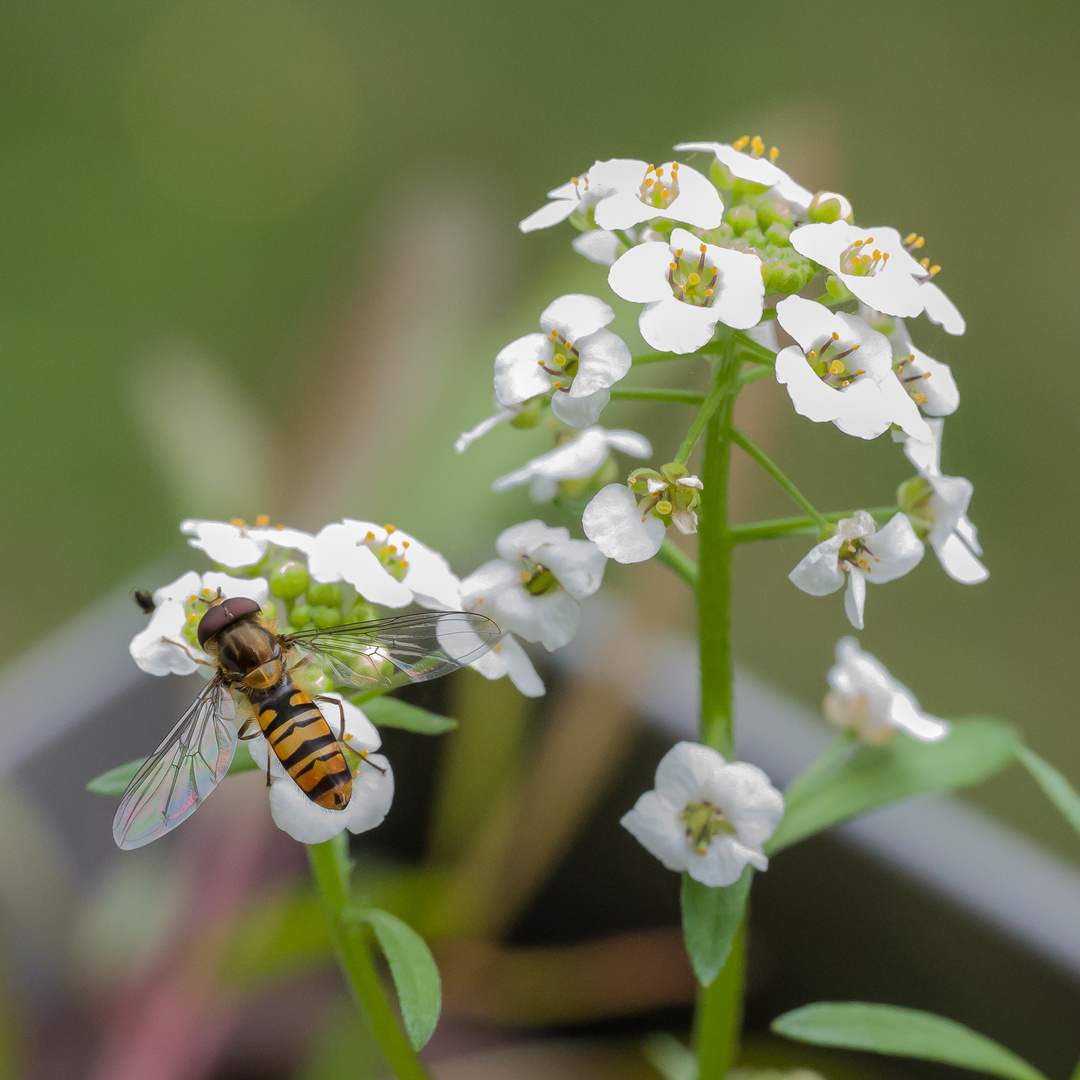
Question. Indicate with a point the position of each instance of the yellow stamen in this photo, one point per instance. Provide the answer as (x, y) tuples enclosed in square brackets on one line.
[(262, 520)]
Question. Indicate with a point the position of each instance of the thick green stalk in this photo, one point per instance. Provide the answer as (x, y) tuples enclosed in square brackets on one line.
[(330, 869), (777, 528), (656, 393), (719, 1012)]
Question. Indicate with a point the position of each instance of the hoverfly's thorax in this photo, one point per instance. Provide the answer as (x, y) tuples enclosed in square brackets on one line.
[(246, 647), (265, 675)]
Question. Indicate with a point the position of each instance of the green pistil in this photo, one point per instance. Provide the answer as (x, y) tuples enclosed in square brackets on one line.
[(704, 822), (539, 580)]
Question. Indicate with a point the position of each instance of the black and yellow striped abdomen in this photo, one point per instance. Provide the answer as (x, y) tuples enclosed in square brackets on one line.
[(304, 743)]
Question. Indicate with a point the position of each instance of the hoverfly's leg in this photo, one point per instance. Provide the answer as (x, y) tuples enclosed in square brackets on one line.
[(341, 709), (243, 732), (268, 781), (367, 761), (191, 655)]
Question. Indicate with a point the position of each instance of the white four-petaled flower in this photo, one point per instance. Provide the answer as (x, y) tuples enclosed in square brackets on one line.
[(866, 699), (237, 544), (942, 510), (928, 382), (706, 816), (859, 553), (842, 371), (162, 648), (581, 194), (687, 287), (372, 786), (576, 459), (575, 357)]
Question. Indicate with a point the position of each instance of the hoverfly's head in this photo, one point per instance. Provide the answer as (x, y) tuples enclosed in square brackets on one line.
[(224, 611)]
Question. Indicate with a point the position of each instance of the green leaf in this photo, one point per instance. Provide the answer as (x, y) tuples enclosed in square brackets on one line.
[(115, 781), (887, 1029), (412, 966), (672, 1059), (877, 775), (1056, 788), (710, 919), (390, 712)]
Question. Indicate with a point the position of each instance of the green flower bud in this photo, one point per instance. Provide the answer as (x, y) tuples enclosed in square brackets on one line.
[(741, 217), (269, 609), (782, 277), (324, 616), (361, 612), (289, 580), (777, 234), (836, 288), (828, 206), (301, 616), (774, 212), (913, 497), (320, 595)]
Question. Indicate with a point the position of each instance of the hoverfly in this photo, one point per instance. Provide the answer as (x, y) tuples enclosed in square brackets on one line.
[(254, 661)]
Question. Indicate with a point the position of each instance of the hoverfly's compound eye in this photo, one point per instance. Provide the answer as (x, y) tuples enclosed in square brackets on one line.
[(224, 614)]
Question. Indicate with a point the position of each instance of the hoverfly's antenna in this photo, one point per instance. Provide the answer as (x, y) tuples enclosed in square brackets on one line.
[(217, 596)]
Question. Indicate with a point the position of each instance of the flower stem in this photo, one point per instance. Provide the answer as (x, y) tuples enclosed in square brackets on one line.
[(330, 869), (656, 393), (774, 471), (676, 560), (723, 389), (820, 768), (777, 528), (719, 1012)]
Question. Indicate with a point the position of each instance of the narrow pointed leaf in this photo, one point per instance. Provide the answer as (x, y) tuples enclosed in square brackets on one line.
[(888, 1029), (115, 781), (1056, 788), (710, 920), (878, 775), (390, 712), (416, 978)]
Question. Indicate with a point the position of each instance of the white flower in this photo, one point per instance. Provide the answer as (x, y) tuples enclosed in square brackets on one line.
[(928, 382), (575, 356), (841, 371), (756, 170), (582, 193), (503, 414), (705, 816), (614, 522), (878, 268), (670, 191), (372, 790), (862, 553), (687, 287), (939, 507), (237, 544), (162, 647), (384, 564), (940, 309), (866, 699), (577, 459), (533, 588), (598, 245)]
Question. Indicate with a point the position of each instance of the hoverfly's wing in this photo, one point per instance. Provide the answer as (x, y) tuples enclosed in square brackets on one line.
[(398, 651), (181, 773)]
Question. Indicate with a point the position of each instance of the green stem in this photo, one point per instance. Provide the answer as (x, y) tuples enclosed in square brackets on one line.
[(774, 471), (676, 560), (749, 377), (330, 869), (719, 1011), (656, 357), (724, 388), (656, 393), (820, 769), (777, 528)]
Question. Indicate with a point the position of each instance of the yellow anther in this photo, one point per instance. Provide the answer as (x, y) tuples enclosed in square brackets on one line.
[(678, 253), (738, 144), (868, 240), (404, 564), (836, 367), (708, 292), (238, 522), (348, 736), (524, 575), (704, 248), (835, 336), (854, 348), (934, 269), (859, 243), (370, 536), (659, 172), (262, 520), (692, 280), (877, 254), (364, 753), (924, 263), (757, 147), (920, 399), (919, 243), (861, 371), (498, 648), (404, 543), (813, 354), (910, 236), (280, 528), (773, 153), (389, 529), (674, 266)]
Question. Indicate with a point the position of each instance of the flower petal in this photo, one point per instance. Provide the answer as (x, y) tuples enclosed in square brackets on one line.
[(669, 325), (818, 572), (896, 550), (855, 598), (598, 245), (640, 275), (940, 309), (518, 374), (579, 411), (575, 316), (604, 359), (613, 522)]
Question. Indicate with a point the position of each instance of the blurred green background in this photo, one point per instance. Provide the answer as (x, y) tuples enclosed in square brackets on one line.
[(258, 256)]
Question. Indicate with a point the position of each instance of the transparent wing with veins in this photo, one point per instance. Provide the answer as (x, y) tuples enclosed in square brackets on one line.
[(397, 651), (181, 773)]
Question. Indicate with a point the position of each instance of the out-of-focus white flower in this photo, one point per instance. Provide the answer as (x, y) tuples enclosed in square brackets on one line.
[(372, 789), (575, 357), (670, 191), (937, 505), (866, 699), (384, 564), (687, 287), (503, 414), (600, 246), (858, 553), (841, 371), (928, 382), (706, 816), (162, 647), (576, 459), (582, 193), (877, 267), (237, 544), (533, 588), (756, 168), (615, 523)]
